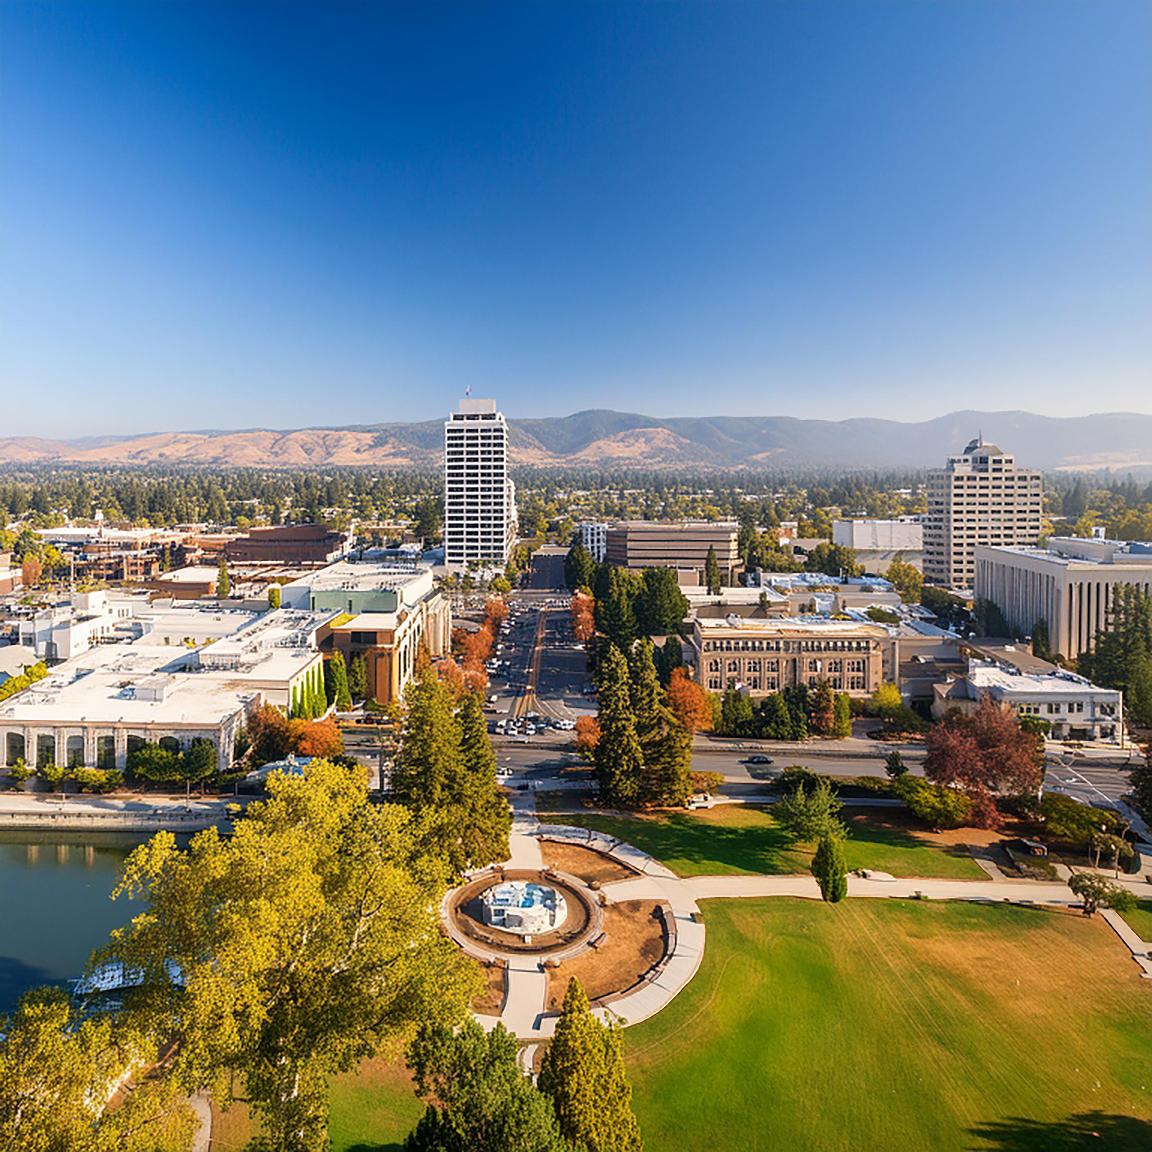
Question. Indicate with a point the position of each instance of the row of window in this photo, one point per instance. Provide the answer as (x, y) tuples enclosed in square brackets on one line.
[(787, 645)]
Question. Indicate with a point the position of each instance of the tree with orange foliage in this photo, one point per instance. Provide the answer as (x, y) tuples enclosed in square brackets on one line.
[(495, 613), (31, 571), (587, 735), (689, 702), (451, 675), (583, 615), (317, 738), (476, 647), (269, 733)]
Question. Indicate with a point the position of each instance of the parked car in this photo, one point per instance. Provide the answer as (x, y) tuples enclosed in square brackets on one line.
[(757, 759)]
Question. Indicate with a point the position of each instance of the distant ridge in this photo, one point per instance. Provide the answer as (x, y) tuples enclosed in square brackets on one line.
[(603, 438)]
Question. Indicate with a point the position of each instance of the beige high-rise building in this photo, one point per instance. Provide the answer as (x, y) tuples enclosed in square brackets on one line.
[(980, 497)]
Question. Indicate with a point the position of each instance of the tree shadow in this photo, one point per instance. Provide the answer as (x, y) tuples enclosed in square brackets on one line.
[(375, 1148), (1084, 1130)]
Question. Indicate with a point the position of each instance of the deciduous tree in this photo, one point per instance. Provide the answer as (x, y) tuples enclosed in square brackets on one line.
[(1097, 892), (809, 814), (690, 703)]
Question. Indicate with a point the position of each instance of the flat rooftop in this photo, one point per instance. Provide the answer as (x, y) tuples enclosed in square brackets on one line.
[(792, 626), (362, 576), (1060, 683)]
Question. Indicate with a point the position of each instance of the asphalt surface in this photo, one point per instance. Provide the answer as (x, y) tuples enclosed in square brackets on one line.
[(548, 676)]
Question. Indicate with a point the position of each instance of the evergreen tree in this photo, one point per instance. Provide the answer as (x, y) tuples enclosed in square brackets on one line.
[(617, 609), (579, 567), (776, 718), (829, 868), (619, 759), (1040, 641), (223, 580), (822, 709), (736, 713), (661, 606), (842, 721), (336, 682), (427, 765), (478, 1099), (1141, 780), (671, 658), (583, 1072), (712, 572), (796, 697), (665, 743), (358, 678), (644, 689), (485, 816)]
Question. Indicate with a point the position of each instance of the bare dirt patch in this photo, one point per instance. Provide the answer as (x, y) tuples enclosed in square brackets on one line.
[(583, 862), (634, 941)]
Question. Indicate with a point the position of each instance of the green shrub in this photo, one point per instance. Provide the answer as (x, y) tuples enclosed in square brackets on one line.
[(937, 806), (96, 779)]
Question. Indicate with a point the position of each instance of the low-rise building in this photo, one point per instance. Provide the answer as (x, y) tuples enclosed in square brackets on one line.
[(162, 675), (761, 656), (1074, 708), (288, 544)]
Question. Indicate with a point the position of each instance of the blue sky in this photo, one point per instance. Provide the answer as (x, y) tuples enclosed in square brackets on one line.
[(229, 215)]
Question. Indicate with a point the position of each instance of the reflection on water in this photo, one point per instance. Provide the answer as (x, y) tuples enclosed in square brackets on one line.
[(55, 904)]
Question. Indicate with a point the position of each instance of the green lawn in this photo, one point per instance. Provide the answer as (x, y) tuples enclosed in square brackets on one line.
[(1140, 920), (736, 839), (903, 1026), (373, 1110)]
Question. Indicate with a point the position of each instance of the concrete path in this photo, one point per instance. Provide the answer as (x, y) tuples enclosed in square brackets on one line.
[(202, 1141), (1141, 949)]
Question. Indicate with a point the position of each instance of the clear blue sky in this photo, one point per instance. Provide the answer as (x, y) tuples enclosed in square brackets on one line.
[(227, 214)]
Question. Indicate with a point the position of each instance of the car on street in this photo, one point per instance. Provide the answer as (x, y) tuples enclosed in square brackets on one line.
[(757, 759)]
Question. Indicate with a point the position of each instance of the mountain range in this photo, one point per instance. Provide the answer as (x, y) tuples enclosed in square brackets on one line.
[(602, 438)]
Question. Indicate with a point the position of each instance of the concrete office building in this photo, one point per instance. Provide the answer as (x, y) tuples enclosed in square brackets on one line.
[(682, 545), (479, 496), (594, 537), (979, 498), (1069, 585), (760, 656), (905, 534)]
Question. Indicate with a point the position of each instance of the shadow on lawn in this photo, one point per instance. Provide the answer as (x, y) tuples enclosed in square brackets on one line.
[(1085, 1130), (869, 828), (376, 1148)]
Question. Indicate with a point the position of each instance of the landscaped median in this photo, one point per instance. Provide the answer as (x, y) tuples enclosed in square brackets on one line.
[(740, 839)]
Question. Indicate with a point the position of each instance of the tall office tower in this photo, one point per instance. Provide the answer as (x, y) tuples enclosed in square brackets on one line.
[(980, 497), (479, 497)]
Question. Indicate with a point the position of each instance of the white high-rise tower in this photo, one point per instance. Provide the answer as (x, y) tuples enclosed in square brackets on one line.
[(479, 497)]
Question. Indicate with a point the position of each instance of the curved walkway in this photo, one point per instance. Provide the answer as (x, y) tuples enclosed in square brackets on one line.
[(526, 984)]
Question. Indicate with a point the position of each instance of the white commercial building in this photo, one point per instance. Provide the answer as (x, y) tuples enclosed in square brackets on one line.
[(905, 534), (161, 674), (979, 498), (1073, 708), (479, 496), (594, 537), (1069, 585)]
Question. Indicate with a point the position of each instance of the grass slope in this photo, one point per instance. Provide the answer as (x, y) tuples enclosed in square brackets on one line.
[(898, 1025), (1140, 919), (736, 839)]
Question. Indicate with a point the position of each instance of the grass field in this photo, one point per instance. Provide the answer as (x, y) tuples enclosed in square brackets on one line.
[(373, 1110), (1140, 920), (902, 1026), (737, 839)]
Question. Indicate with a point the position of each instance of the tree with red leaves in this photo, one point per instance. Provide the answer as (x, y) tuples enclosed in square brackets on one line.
[(986, 754), (583, 616), (318, 738), (587, 735)]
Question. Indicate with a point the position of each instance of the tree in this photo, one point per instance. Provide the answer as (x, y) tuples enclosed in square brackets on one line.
[(1040, 640), (199, 762), (58, 1072), (583, 1072), (775, 720), (894, 765), (833, 560), (30, 571), (1121, 655), (358, 678), (829, 868), (317, 738), (671, 657), (579, 567), (907, 579), (1097, 892), (989, 619), (661, 606), (275, 596), (619, 758), (617, 607), (427, 525), (336, 682), (478, 1099), (810, 815), (938, 806), (486, 817), (689, 702), (291, 949), (269, 735), (736, 713), (842, 721), (1141, 780), (583, 615), (822, 708), (587, 735), (988, 755), (223, 580), (712, 572), (887, 701), (155, 764)]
